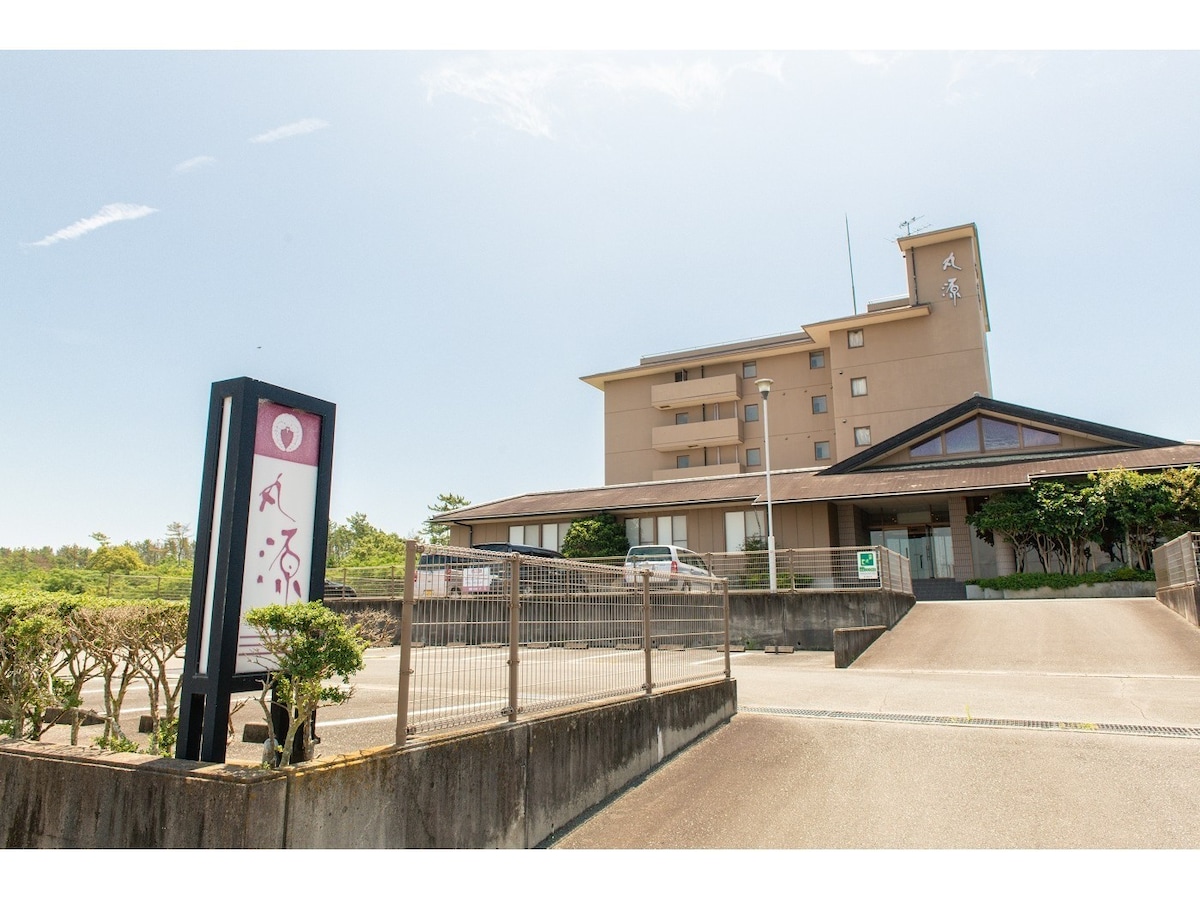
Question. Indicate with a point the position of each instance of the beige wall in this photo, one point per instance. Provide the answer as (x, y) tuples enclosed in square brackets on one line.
[(797, 525)]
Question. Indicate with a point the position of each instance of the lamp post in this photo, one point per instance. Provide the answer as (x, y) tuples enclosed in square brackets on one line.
[(764, 388)]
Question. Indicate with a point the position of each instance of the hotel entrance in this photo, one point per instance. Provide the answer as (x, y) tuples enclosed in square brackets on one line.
[(921, 535), (928, 548)]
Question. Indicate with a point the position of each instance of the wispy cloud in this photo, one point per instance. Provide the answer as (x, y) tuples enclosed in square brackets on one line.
[(519, 95), (304, 126), (191, 165), (113, 212)]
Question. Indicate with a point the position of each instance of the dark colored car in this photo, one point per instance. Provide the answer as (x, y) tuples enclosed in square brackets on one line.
[(334, 589), (536, 579)]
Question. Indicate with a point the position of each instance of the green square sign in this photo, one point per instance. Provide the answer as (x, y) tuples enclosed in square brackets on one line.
[(868, 564)]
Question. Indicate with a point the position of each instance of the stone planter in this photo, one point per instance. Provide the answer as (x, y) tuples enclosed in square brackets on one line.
[(1104, 590)]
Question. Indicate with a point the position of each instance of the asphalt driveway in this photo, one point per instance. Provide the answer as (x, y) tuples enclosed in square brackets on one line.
[(977, 724)]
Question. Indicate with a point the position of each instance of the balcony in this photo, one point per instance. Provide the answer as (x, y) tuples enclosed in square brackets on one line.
[(685, 394), (717, 433), (696, 472)]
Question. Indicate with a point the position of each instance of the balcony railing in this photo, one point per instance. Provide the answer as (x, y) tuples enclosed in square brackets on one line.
[(684, 394), (714, 433)]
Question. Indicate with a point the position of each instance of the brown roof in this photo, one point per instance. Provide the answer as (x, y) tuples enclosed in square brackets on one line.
[(803, 486)]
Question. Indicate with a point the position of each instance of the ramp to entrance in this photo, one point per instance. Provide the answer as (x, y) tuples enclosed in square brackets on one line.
[(1137, 636)]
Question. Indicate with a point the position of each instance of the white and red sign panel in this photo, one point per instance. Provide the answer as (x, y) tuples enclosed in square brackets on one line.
[(279, 536)]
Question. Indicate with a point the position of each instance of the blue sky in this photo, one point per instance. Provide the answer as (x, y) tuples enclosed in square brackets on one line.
[(443, 241)]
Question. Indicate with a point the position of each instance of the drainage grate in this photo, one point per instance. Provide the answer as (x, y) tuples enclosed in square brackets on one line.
[(909, 719)]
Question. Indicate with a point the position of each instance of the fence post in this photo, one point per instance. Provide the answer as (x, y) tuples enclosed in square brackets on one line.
[(514, 634), (725, 598), (646, 630), (406, 629)]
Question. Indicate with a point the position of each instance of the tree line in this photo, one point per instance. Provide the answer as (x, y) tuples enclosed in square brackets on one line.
[(1125, 514), (72, 567)]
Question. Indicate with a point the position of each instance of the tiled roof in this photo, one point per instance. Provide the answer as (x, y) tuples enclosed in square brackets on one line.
[(809, 485)]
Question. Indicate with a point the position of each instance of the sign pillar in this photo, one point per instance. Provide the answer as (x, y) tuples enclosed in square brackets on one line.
[(260, 540)]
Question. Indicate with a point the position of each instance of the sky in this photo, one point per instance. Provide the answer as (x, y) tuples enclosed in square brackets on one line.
[(441, 225)]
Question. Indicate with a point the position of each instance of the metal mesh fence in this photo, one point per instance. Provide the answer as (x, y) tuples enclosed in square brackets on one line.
[(819, 569), (822, 569), (1177, 562), (495, 635)]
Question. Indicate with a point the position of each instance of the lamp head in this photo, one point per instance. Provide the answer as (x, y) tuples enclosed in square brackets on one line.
[(764, 386)]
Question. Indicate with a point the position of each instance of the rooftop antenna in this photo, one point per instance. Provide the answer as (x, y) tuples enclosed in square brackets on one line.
[(908, 224), (853, 295)]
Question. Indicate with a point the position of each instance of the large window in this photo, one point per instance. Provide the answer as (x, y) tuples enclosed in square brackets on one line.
[(546, 534), (854, 338), (984, 434), (672, 530), (820, 404), (862, 436), (750, 370), (858, 387), (754, 457), (659, 530), (821, 450), (816, 359), (742, 525), (751, 410)]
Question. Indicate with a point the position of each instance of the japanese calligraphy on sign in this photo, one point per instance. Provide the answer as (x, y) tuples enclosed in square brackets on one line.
[(279, 535), (950, 287)]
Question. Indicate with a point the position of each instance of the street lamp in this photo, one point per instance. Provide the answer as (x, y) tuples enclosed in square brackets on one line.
[(764, 388)]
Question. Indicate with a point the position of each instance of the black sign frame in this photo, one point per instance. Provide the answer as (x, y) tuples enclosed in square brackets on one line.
[(221, 548)]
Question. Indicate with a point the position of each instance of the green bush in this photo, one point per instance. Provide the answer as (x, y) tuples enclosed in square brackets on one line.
[(1028, 581)]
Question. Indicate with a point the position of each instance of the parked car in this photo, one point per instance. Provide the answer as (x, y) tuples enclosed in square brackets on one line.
[(666, 563), (450, 575), (540, 579), (335, 589)]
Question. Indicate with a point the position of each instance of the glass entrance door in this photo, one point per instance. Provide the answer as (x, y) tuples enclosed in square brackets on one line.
[(929, 549)]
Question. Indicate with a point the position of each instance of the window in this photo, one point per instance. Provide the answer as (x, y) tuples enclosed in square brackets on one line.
[(750, 370), (548, 535), (990, 435), (963, 438), (681, 418), (858, 387), (1000, 435), (854, 338), (672, 530), (862, 436), (820, 404), (816, 359), (751, 412), (742, 525), (639, 531), (931, 447), (681, 375), (754, 457), (682, 462), (1035, 437), (821, 449)]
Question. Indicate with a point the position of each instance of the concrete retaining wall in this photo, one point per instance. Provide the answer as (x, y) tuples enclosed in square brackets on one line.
[(509, 786), (850, 643), (1183, 599), (804, 621), (807, 621), (1103, 590)]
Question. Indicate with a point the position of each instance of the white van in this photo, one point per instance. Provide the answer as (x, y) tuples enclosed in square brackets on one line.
[(666, 562)]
